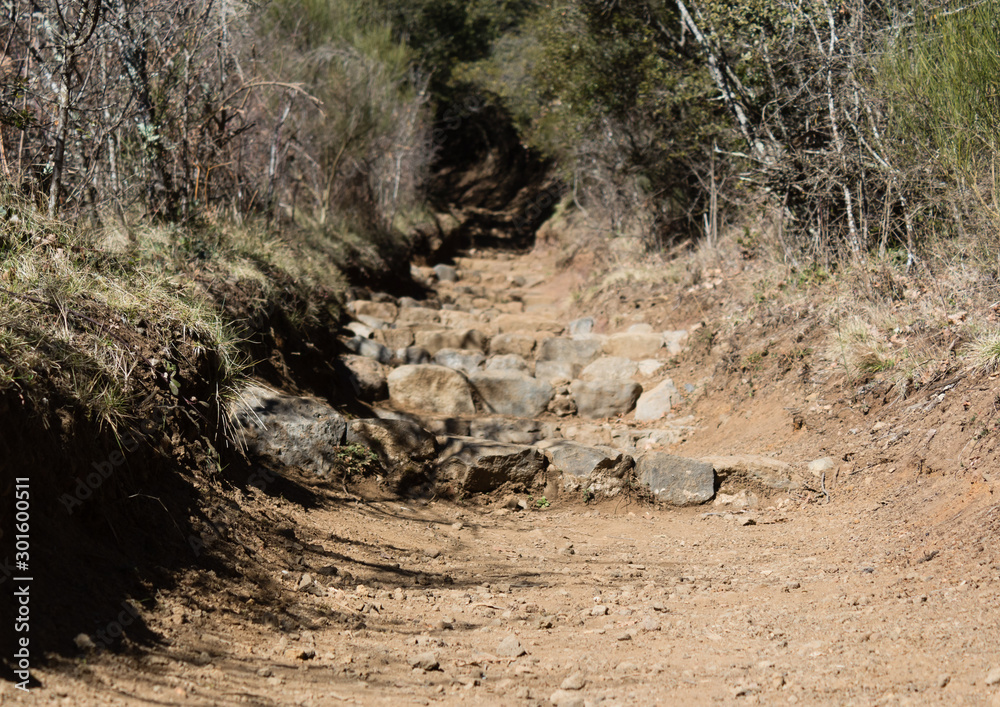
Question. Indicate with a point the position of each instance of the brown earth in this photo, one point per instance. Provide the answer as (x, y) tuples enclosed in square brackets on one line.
[(875, 586)]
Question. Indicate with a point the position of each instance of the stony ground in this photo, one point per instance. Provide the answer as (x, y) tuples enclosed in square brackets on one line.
[(875, 583)]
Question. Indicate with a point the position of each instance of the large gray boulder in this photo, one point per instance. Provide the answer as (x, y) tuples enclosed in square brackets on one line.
[(676, 480), (655, 403), (598, 399), (403, 447), (512, 392), (431, 388), (466, 361), (284, 430), (469, 465)]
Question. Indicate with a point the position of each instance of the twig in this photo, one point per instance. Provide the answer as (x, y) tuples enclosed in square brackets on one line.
[(823, 486)]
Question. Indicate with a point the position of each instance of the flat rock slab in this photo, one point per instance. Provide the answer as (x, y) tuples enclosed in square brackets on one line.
[(526, 323), (521, 344), (578, 352), (512, 392), (417, 315), (386, 311), (768, 472), (479, 466), (435, 340), (455, 319), (508, 362), (677, 480), (633, 345), (579, 459), (431, 388), (286, 430), (464, 360), (610, 368), (506, 430), (599, 399), (556, 370)]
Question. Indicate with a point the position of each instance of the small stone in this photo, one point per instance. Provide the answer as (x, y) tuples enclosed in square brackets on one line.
[(993, 677), (942, 680), (649, 624), (264, 672), (624, 636), (576, 681), (822, 466), (447, 623), (792, 585), (305, 581), (599, 610), (425, 661), (432, 552), (510, 647), (565, 698), (457, 526), (84, 642)]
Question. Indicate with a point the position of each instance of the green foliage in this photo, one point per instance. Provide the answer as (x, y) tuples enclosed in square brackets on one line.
[(628, 114), (448, 33), (942, 80), (363, 127), (357, 460)]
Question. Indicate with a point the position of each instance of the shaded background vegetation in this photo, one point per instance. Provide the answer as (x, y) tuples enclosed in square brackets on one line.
[(857, 127)]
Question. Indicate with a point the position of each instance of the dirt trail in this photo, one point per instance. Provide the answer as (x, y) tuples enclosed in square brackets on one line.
[(871, 598)]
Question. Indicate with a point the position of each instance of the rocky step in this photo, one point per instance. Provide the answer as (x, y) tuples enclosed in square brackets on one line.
[(488, 390), (287, 431)]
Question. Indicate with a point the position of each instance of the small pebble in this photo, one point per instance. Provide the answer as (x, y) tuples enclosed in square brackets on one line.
[(510, 647), (425, 661)]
